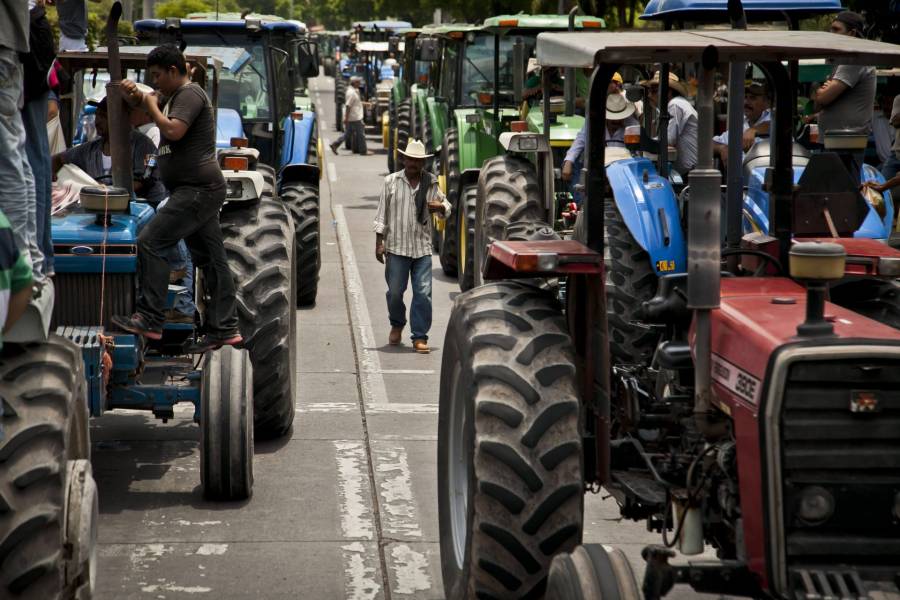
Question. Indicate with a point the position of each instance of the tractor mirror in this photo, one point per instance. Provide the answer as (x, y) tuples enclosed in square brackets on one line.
[(308, 59), (427, 50), (394, 45), (518, 59)]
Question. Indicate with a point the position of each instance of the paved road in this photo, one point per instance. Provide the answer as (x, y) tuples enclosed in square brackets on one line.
[(344, 507)]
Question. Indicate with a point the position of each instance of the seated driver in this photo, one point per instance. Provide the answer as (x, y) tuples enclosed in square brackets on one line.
[(757, 119), (94, 158)]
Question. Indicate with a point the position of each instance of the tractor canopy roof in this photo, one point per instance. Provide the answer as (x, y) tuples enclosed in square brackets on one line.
[(133, 57), (585, 50), (393, 26), (523, 21), (230, 21), (448, 29), (755, 10)]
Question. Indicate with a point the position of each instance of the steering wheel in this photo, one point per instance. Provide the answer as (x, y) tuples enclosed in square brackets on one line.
[(759, 254)]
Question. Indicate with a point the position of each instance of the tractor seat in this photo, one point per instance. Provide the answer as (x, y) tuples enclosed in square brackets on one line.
[(760, 153), (674, 356)]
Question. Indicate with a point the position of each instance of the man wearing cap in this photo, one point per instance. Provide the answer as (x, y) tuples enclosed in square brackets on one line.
[(354, 128), (757, 120), (845, 100), (619, 115), (403, 242), (682, 131)]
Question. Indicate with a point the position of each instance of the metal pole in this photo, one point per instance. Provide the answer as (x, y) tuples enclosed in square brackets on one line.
[(704, 246), (735, 185), (662, 100), (119, 143), (570, 72), (496, 95)]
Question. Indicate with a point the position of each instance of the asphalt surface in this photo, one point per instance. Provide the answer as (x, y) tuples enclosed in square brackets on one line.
[(345, 506)]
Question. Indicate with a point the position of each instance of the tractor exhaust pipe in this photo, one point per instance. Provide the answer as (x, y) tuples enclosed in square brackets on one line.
[(704, 249), (119, 138), (569, 89)]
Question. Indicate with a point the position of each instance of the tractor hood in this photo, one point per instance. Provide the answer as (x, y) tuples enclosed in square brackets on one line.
[(78, 241), (562, 133), (717, 10)]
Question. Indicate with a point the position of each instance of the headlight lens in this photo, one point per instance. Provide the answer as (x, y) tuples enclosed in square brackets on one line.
[(816, 505), (235, 189)]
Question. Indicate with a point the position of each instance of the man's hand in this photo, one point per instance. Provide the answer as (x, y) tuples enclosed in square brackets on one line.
[(878, 187), (567, 170), (749, 138), (379, 251), (131, 94), (436, 206)]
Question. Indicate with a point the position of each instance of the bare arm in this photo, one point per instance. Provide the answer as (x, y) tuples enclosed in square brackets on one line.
[(58, 161), (172, 129), (17, 305), (829, 92)]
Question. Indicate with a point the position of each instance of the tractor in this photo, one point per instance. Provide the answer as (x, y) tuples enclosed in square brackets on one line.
[(263, 100), (766, 431), (370, 44), (474, 105), (329, 45)]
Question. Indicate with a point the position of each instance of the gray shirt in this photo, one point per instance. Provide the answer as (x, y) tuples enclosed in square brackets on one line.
[(682, 133), (853, 108), (895, 112), (396, 218), (14, 24)]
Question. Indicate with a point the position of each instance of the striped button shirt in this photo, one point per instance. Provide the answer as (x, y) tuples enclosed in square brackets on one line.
[(396, 219)]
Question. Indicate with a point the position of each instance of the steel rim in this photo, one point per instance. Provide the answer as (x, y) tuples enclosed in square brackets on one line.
[(458, 470)]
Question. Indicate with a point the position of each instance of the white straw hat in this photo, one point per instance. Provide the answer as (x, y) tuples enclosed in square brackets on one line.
[(415, 149), (618, 108)]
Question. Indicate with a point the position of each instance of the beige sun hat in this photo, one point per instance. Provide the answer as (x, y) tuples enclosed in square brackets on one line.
[(674, 83), (618, 107), (415, 149)]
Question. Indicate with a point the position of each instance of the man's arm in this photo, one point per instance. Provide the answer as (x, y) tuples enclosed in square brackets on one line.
[(173, 128), (829, 92), (895, 112), (380, 215), (58, 161), (572, 155)]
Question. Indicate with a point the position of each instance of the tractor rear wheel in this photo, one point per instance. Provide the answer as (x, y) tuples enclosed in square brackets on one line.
[(340, 89), (510, 482), (303, 201), (592, 572), (428, 140), (465, 221), (226, 425), (259, 242), (269, 179), (328, 66), (450, 169), (404, 127), (508, 191), (630, 281), (391, 135), (48, 498)]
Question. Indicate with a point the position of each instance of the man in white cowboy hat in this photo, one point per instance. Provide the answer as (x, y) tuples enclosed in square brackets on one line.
[(682, 131), (354, 128), (619, 115), (403, 242)]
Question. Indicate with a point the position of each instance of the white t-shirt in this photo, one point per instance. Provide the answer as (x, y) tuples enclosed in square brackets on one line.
[(151, 131), (107, 162), (353, 105)]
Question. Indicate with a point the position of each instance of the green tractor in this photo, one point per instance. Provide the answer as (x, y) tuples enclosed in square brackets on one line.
[(475, 102), (418, 67)]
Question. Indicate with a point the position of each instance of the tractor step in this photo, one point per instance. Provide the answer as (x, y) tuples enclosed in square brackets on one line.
[(641, 486)]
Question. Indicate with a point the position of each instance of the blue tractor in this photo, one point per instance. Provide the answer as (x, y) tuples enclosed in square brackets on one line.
[(645, 235), (264, 104)]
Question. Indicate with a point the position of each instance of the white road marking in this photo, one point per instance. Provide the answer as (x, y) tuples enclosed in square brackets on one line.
[(360, 582), (212, 549), (171, 587), (372, 382), (393, 408), (399, 511), (332, 172), (407, 371), (353, 483), (410, 569)]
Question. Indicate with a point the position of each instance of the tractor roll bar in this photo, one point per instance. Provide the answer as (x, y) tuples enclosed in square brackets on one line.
[(119, 140)]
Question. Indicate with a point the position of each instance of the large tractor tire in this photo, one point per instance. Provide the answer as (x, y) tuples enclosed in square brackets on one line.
[(303, 201), (592, 572), (340, 90), (450, 169), (48, 498), (404, 128), (226, 425), (508, 191), (259, 242), (630, 281), (270, 190), (328, 66), (428, 139), (391, 136), (510, 481), (465, 222)]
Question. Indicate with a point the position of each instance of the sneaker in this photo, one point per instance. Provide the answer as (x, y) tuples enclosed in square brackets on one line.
[(334, 148), (137, 325), (206, 343), (176, 316)]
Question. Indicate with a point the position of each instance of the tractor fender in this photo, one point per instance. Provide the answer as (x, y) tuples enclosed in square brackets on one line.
[(649, 209), (468, 177), (475, 144), (301, 172), (297, 133), (228, 125)]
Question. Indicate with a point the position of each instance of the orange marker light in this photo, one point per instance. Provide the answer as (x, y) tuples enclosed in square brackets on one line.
[(297, 115), (237, 142), (518, 126), (814, 134), (592, 24), (632, 135), (235, 163), (509, 22)]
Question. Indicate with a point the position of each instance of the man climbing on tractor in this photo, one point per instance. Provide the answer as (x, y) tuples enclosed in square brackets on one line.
[(187, 127)]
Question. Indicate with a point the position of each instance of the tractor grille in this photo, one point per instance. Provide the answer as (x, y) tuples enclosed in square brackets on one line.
[(78, 298), (840, 427)]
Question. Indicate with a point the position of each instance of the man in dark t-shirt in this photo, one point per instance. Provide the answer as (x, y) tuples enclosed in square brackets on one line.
[(188, 167)]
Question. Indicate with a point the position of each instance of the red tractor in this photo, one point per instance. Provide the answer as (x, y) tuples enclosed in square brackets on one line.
[(767, 426)]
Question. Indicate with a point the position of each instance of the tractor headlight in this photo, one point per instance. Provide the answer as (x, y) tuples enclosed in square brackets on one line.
[(816, 505), (235, 189)]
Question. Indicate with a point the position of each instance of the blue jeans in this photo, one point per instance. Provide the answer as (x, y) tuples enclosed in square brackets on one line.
[(397, 272), (890, 167), (37, 148), (17, 192), (180, 258)]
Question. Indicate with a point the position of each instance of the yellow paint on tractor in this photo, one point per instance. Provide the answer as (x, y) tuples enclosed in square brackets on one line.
[(320, 155), (385, 128)]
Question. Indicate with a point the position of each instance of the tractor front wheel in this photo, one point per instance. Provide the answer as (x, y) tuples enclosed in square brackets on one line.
[(259, 243), (592, 572), (508, 191), (303, 201), (226, 425), (404, 127), (340, 89), (48, 497), (510, 482), (465, 221)]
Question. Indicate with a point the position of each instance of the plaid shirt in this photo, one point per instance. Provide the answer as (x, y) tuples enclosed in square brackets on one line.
[(396, 218)]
